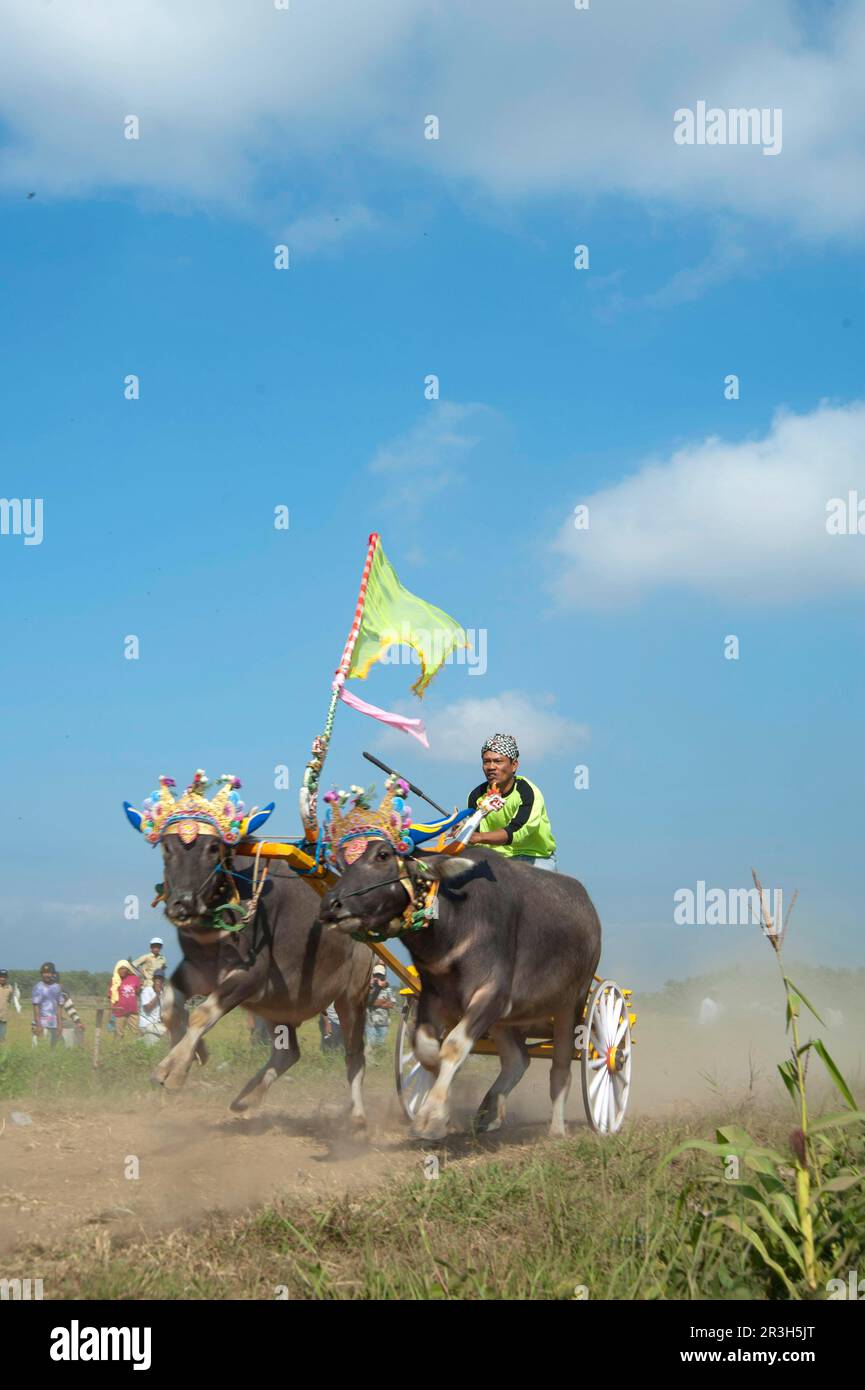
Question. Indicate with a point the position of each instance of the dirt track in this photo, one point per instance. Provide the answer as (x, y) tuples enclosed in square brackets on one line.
[(66, 1169)]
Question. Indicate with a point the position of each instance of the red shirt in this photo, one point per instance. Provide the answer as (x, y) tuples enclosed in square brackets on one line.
[(127, 996)]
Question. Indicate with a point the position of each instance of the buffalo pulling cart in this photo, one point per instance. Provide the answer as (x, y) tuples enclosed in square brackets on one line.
[(602, 1040), (386, 615)]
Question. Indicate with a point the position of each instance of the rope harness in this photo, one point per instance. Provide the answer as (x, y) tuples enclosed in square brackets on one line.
[(415, 916), (230, 916)]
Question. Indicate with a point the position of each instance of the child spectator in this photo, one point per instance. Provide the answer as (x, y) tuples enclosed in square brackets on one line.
[(46, 1004), (150, 1025), (123, 994)]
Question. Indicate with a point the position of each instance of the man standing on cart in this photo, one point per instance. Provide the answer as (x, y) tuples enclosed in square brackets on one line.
[(521, 828)]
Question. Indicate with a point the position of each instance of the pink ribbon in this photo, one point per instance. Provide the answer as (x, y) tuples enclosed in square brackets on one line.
[(395, 721)]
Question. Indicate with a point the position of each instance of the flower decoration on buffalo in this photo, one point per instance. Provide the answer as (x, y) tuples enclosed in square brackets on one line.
[(193, 814), (351, 822)]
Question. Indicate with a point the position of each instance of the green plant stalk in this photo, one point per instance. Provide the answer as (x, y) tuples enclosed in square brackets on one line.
[(803, 1174)]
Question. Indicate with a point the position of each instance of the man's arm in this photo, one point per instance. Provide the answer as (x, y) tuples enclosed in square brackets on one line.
[(70, 1010)]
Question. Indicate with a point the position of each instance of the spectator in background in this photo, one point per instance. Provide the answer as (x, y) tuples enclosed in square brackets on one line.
[(331, 1029), (7, 997), (46, 1005), (154, 960), (379, 1004), (150, 1025), (123, 995), (71, 1027), (258, 1030)]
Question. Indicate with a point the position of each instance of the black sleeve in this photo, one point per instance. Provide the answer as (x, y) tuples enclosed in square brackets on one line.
[(527, 801), (475, 796)]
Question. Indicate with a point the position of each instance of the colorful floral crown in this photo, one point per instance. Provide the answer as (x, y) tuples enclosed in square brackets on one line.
[(350, 821), (191, 814)]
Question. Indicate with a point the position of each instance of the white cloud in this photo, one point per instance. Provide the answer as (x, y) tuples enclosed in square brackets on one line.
[(532, 99), (318, 230), (726, 258), (458, 731), (746, 520), (432, 456)]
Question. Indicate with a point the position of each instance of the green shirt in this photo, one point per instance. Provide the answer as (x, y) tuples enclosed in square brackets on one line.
[(523, 816)]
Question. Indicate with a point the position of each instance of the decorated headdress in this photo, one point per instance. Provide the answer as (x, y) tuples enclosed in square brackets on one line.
[(192, 814), (351, 822)]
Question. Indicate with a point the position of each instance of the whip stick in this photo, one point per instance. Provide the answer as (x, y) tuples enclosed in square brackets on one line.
[(417, 791)]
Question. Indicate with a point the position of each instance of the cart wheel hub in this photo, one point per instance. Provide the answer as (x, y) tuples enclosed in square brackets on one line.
[(614, 1059)]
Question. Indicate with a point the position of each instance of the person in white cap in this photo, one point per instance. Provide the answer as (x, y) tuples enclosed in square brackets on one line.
[(154, 960), (379, 1003)]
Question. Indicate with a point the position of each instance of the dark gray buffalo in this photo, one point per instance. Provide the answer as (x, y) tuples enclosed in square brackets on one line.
[(282, 966), (513, 947)]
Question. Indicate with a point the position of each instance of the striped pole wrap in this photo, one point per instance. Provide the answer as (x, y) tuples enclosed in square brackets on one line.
[(312, 774), (351, 641)]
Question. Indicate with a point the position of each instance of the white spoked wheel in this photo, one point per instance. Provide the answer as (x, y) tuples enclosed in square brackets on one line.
[(606, 1062), (412, 1080)]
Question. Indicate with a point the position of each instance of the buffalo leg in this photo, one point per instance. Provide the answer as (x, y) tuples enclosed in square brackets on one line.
[(233, 990), (514, 1058), (351, 1012), (173, 1009), (560, 1069), (425, 1042), (284, 1053), (485, 1008)]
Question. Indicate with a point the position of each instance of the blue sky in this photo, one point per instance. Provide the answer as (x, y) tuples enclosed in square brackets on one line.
[(558, 387)]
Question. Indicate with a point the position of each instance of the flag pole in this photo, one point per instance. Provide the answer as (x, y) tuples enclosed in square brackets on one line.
[(312, 773)]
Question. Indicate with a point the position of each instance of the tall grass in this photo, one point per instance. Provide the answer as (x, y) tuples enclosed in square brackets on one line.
[(798, 1216)]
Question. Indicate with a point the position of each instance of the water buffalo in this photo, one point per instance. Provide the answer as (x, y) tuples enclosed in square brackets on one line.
[(282, 966), (511, 949)]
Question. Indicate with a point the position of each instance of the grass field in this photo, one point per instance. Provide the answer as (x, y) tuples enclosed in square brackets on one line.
[(291, 1205)]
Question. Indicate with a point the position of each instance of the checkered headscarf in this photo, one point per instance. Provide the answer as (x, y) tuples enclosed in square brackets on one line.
[(505, 744)]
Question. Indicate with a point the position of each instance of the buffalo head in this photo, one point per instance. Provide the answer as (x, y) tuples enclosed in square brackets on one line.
[(373, 893)]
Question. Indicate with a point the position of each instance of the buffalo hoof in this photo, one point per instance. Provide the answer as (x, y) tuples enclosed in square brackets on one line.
[(431, 1127), (358, 1123), (487, 1124), (158, 1075), (557, 1132)]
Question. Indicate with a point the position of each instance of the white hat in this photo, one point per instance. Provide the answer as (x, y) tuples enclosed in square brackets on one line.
[(379, 970), (156, 941)]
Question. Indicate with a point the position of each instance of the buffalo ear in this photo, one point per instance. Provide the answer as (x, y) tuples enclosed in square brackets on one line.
[(257, 818), (446, 866), (133, 816)]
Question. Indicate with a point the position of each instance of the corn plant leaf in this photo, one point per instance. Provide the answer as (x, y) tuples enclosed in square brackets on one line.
[(742, 1228), (785, 1070), (734, 1134), (820, 1049), (838, 1120), (799, 995), (841, 1183), (704, 1145), (774, 1225)]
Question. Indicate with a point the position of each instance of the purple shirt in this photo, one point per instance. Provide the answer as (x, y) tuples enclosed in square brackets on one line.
[(47, 1000)]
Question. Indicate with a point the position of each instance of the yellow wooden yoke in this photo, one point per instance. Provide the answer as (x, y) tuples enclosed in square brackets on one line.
[(320, 879)]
